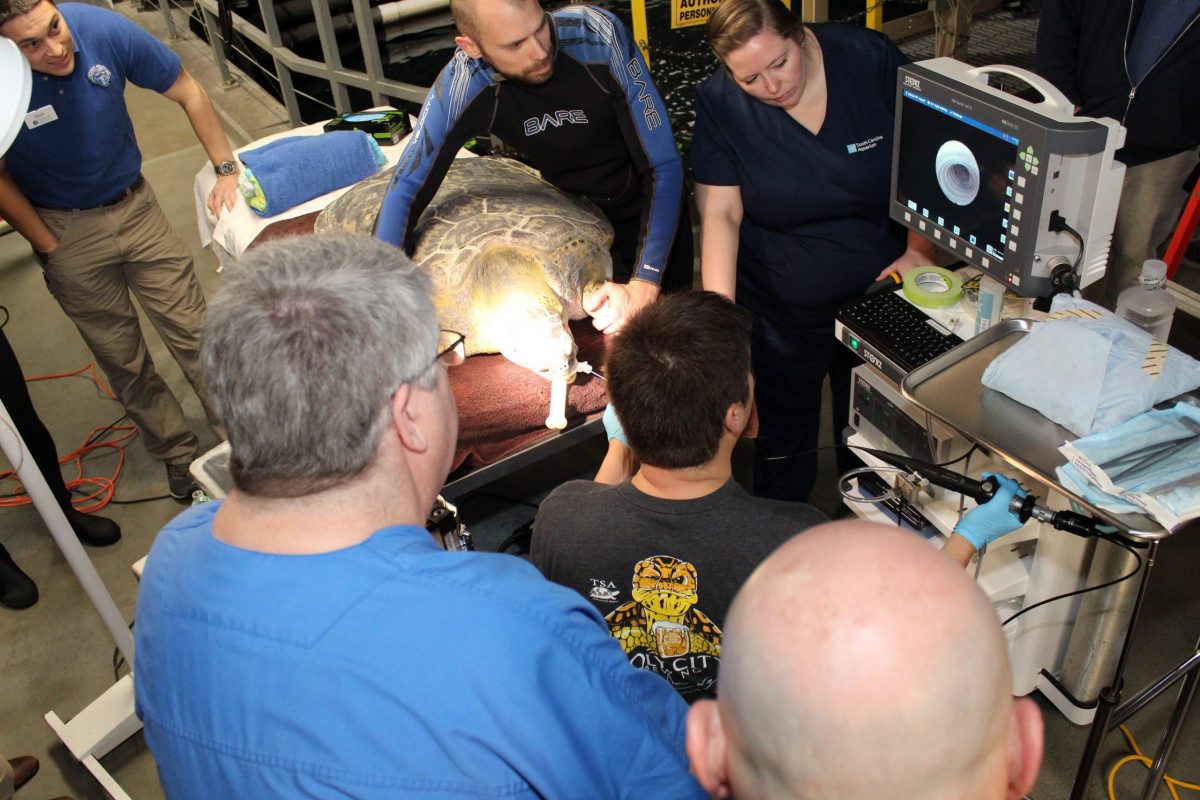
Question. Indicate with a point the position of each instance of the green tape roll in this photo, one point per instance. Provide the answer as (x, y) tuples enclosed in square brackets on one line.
[(932, 287)]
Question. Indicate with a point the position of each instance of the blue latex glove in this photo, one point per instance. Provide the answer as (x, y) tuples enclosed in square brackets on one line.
[(612, 426), (987, 523)]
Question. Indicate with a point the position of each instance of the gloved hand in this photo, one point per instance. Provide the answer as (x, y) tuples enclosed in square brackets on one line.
[(612, 426), (987, 523)]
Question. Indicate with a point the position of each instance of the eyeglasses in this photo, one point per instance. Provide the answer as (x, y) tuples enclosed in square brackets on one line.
[(451, 349)]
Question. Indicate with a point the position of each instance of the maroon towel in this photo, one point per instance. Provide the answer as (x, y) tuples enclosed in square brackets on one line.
[(501, 407)]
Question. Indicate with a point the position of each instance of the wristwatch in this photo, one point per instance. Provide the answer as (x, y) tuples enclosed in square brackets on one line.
[(225, 168)]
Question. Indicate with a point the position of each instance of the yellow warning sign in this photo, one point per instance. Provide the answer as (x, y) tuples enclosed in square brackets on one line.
[(691, 12)]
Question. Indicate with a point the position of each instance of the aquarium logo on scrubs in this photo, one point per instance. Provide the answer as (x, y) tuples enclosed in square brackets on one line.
[(865, 144)]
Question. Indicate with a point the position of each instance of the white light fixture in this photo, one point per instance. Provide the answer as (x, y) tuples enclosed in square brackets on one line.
[(14, 94)]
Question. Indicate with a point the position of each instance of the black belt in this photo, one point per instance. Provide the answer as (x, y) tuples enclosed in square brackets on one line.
[(124, 194)]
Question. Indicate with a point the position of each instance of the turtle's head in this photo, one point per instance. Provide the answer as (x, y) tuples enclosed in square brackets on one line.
[(538, 339), (519, 314)]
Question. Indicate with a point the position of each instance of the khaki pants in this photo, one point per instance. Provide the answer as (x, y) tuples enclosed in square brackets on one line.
[(104, 254), (1151, 200)]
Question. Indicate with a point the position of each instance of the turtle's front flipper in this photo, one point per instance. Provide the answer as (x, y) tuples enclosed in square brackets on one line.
[(574, 270)]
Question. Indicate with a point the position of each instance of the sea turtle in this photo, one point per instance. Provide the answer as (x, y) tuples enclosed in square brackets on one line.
[(510, 256)]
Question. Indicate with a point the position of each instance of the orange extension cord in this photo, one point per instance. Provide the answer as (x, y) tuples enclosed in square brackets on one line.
[(100, 489), (1172, 784)]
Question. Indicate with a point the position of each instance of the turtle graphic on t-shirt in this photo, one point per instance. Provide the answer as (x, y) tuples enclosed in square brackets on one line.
[(662, 617)]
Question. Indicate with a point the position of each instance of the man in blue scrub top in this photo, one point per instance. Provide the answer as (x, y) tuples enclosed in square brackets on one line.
[(307, 638), (71, 184)]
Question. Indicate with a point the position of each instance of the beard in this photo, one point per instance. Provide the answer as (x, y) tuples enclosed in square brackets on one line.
[(530, 76)]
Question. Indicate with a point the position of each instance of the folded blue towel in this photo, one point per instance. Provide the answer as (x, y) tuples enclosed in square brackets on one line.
[(294, 169), (1089, 370)]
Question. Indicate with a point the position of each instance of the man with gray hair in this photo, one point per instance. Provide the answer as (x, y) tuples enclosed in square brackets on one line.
[(860, 664), (307, 638)]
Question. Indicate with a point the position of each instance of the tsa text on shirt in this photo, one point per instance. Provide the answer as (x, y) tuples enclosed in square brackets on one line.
[(534, 125), (653, 120)]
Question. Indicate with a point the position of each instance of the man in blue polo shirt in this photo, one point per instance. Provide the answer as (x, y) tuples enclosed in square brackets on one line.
[(71, 184)]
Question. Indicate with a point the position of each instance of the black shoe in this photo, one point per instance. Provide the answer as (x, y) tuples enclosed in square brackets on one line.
[(17, 590), (181, 483), (24, 768), (96, 531)]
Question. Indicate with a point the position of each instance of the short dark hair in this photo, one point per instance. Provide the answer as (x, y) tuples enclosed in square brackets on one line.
[(11, 9), (674, 370), (735, 22)]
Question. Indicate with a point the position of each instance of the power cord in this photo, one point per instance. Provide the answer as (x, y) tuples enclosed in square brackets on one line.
[(115, 502), (1147, 762), (1086, 589), (1027, 609), (521, 538), (1058, 224), (92, 493)]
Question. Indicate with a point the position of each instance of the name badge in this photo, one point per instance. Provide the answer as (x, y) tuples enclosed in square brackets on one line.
[(39, 117)]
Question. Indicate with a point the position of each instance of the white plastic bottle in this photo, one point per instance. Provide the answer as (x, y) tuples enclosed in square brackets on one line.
[(1149, 305)]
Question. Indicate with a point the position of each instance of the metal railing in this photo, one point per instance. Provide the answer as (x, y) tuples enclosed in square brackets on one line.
[(221, 22)]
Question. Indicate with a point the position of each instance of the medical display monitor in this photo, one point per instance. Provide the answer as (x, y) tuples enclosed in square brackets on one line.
[(990, 177)]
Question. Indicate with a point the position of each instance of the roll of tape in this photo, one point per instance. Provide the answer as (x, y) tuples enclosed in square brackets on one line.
[(932, 287)]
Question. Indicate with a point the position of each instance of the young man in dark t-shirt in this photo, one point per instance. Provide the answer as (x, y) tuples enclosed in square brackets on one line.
[(662, 554)]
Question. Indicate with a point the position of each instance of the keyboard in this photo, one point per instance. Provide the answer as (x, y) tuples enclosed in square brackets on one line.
[(892, 334)]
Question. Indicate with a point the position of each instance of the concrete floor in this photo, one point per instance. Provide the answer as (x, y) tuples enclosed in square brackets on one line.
[(57, 656)]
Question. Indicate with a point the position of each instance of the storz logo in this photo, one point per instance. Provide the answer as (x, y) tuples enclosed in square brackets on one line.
[(912, 82), (871, 357)]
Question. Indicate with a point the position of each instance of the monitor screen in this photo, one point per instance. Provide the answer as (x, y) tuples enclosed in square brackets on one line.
[(957, 172), (997, 179)]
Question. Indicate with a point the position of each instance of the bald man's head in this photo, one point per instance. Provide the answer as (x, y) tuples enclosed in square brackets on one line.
[(514, 36), (858, 662), (463, 12), (466, 13)]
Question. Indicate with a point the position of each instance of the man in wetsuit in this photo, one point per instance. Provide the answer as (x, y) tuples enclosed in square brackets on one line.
[(571, 93)]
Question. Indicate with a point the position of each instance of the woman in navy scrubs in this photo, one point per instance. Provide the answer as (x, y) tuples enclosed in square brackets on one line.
[(792, 159)]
